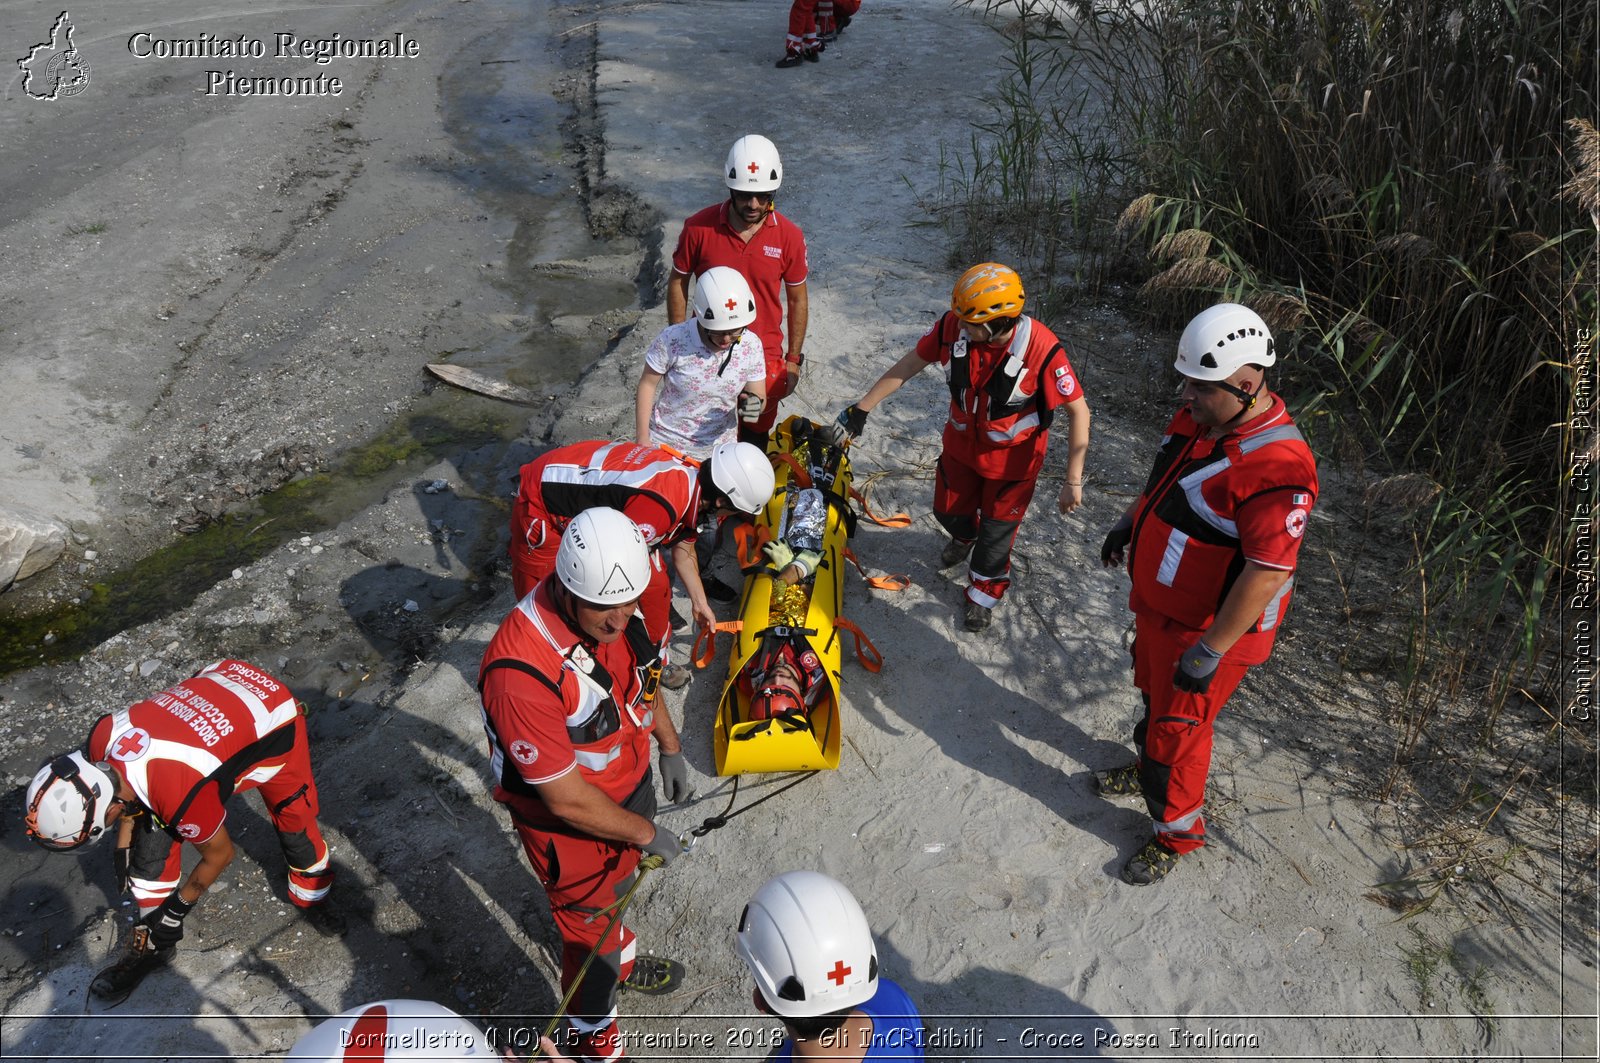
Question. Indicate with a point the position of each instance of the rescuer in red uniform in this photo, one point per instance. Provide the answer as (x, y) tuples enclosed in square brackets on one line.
[(1211, 544), (564, 684), (162, 770), (1008, 375)]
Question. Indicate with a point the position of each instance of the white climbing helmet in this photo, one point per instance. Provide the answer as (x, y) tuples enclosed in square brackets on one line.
[(394, 1029), (1222, 339), (743, 473), (68, 801), (602, 558), (806, 941), (722, 300), (753, 165)]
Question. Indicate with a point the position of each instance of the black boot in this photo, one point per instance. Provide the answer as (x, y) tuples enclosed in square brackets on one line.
[(114, 984)]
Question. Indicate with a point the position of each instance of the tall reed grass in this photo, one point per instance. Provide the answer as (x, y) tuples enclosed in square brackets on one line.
[(1405, 189)]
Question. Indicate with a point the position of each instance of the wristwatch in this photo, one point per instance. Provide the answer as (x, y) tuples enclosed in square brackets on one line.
[(797, 359)]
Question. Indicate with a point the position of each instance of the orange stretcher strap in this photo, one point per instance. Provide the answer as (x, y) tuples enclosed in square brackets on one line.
[(708, 635), (800, 474), (898, 582), (895, 520), (748, 540), (864, 645)]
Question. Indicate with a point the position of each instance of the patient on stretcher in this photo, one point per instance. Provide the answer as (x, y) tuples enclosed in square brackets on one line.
[(796, 555), (782, 682)]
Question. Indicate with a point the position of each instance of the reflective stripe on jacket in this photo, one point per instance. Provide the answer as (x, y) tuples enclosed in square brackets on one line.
[(1185, 554)]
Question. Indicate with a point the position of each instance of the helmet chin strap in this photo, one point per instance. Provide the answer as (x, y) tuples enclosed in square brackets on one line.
[(1246, 399)]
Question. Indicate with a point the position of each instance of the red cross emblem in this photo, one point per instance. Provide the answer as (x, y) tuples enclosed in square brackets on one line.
[(132, 745), (189, 830), (1295, 523), (731, 304), (752, 167), (838, 972), (524, 752)]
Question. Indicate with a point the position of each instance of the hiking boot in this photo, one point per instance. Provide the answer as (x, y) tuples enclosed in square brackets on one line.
[(654, 975), (675, 677), (792, 59), (1154, 861), (1119, 782), (977, 616), (719, 591), (325, 920), (954, 550), (115, 983)]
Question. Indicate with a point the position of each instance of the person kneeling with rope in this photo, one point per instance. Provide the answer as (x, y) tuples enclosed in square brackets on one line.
[(567, 708)]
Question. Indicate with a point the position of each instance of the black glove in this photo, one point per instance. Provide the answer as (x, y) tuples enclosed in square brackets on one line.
[(848, 425), (665, 845), (675, 777), (166, 922), (1196, 667), (1116, 544)]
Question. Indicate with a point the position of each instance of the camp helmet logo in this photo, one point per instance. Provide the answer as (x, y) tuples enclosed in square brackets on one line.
[(55, 68), (617, 583)]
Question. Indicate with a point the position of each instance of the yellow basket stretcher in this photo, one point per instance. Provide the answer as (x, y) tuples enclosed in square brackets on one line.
[(807, 611)]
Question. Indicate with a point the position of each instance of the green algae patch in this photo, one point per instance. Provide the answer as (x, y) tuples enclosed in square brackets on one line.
[(173, 576)]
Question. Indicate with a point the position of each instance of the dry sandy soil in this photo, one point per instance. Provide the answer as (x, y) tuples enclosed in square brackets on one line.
[(266, 282)]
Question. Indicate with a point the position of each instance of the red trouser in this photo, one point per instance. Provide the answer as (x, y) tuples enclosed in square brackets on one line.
[(535, 538), (582, 875), (807, 18), (985, 512), (1174, 737), (156, 866)]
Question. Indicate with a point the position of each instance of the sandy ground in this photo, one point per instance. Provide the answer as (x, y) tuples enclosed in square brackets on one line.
[(962, 814)]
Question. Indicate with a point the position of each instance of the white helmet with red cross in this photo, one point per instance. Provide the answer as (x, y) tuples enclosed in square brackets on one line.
[(67, 802), (723, 300), (806, 941), (753, 165), (394, 1029)]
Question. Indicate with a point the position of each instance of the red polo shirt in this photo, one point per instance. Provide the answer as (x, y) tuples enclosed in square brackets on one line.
[(774, 257)]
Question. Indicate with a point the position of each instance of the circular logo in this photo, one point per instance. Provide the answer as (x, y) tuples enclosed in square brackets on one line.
[(1295, 523), (649, 532), (132, 745), (1065, 384), (189, 830), (524, 752), (68, 72)]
